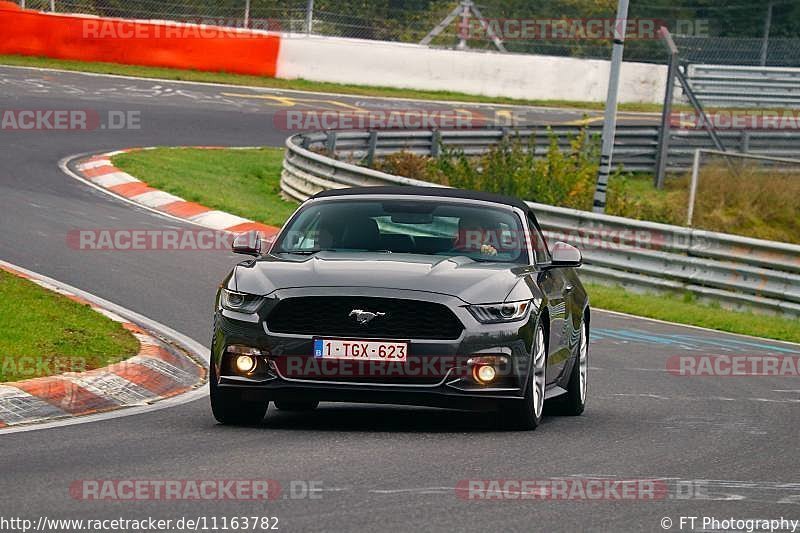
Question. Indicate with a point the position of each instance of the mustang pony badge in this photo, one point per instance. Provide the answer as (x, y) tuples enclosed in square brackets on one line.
[(364, 317)]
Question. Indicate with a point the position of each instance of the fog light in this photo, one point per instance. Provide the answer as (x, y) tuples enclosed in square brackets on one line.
[(484, 374), (245, 364)]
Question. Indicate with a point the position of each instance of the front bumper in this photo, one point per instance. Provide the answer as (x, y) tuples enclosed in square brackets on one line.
[(436, 372)]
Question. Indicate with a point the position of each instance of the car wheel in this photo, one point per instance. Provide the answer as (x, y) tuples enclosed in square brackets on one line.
[(290, 405), (229, 408), (574, 401), (526, 414)]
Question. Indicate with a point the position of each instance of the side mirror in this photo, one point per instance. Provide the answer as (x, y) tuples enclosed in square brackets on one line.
[(565, 255), (247, 244)]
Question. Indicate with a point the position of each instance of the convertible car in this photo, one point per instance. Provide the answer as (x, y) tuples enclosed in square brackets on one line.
[(405, 295)]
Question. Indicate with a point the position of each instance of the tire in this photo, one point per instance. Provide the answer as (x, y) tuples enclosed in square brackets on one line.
[(229, 408), (292, 405), (526, 414), (573, 402)]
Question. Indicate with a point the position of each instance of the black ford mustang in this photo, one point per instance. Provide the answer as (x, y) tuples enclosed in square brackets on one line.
[(409, 295)]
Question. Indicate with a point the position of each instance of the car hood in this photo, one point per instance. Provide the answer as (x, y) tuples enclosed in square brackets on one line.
[(472, 281)]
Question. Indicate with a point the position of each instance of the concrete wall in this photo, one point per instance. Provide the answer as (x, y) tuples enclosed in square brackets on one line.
[(411, 66)]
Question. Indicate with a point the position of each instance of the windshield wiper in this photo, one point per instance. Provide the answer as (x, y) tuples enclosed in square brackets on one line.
[(302, 252)]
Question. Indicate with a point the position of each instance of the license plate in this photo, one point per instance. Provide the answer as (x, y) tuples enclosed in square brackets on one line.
[(358, 350)]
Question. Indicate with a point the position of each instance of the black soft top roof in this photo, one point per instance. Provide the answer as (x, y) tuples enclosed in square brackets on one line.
[(443, 192)]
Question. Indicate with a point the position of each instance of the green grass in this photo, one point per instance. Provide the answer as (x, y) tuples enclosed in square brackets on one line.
[(685, 310), (44, 333), (299, 84), (748, 202), (243, 182)]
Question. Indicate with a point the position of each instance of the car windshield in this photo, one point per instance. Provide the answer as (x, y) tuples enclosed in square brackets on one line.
[(477, 231)]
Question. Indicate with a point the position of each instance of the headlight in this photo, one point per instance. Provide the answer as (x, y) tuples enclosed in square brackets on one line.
[(496, 313), (239, 301)]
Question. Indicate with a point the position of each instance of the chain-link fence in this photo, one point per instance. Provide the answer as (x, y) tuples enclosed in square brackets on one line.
[(780, 52), (225, 12), (742, 33)]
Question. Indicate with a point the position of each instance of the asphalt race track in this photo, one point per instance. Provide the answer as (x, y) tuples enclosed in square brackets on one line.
[(730, 443)]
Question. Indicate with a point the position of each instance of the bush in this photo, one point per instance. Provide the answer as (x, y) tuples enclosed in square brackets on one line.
[(564, 177)]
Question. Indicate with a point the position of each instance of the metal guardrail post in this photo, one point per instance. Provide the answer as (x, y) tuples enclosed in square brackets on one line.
[(330, 141), (436, 143), (663, 136), (744, 141), (373, 145)]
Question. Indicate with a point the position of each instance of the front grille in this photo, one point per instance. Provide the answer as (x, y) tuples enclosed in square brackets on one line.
[(330, 316)]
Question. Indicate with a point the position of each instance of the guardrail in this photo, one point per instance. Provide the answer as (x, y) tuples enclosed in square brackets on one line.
[(734, 86), (737, 271), (635, 147)]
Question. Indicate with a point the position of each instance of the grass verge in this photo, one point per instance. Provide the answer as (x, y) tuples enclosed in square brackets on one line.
[(44, 333), (747, 200), (246, 183), (299, 84), (242, 182), (686, 310)]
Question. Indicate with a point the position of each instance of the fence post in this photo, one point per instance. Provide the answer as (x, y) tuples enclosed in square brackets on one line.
[(744, 142), (610, 118), (330, 141), (693, 187), (765, 42), (52, 6), (436, 141), (663, 137), (309, 17), (246, 13), (373, 145)]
